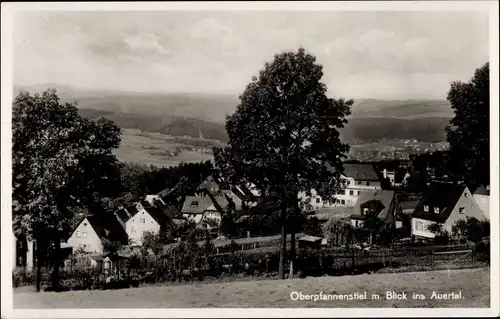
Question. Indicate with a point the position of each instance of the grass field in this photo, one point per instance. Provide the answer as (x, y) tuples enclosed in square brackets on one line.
[(162, 150), (474, 285)]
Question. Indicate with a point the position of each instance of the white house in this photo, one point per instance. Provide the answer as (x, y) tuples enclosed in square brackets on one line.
[(90, 232), (142, 217), (355, 179), (482, 197), (443, 203)]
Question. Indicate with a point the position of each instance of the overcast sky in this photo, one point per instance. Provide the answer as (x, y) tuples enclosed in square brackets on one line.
[(364, 54)]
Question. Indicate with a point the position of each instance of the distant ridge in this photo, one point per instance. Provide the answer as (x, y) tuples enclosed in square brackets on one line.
[(195, 114)]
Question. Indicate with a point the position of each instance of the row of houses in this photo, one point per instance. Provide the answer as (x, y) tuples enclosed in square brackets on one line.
[(361, 195), (128, 224)]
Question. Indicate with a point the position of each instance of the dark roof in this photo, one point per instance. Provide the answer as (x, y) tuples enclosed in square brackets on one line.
[(108, 227), (362, 172), (442, 195), (385, 197), (159, 215), (203, 203), (409, 205), (132, 210), (482, 191), (123, 215)]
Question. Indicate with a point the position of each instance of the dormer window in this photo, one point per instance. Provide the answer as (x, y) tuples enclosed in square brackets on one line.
[(426, 208), (436, 210), (194, 204)]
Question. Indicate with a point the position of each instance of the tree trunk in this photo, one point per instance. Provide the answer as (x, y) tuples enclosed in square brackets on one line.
[(56, 263), (38, 261), (281, 269), (293, 229)]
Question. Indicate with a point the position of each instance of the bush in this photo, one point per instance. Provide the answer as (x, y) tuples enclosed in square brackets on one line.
[(22, 277)]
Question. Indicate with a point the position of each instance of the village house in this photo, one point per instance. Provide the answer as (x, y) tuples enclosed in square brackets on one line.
[(381, 203), (143, 217), (91, 230), (205, 211), (355, 179), (445, 204), (482, 197)]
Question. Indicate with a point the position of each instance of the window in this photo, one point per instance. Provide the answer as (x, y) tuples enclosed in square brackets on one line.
[(342, 202), (338, 201), (85, 224), (348, 182), (359, 192), (143, 220), (461, 210), (367, 183), (317, 200), (436, 210), (133, 230), (78, 234), (194, 204), (465, 194), (426, 208), (351, 192), (85, 235), (419, 225), (356, 223)]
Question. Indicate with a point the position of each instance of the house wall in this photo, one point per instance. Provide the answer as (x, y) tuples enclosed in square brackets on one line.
[(471, 209), (483, 201), (420, 227), (237, 201), (346, 197), (152, 198), (85, 237), (139, 224)]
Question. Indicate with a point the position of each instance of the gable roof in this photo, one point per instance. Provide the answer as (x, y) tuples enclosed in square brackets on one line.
[(107, 227), (210, 184), (220, 202), (203, 203), (442, 195), (161, 215), (385, 197), (362, 172), (482, 191)]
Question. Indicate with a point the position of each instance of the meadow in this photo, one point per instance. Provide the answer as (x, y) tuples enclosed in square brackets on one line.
[(474, 285)]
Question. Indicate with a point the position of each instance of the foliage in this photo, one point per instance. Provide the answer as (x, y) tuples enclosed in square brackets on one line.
[(184, 178), (338, 232), (471, 228), (468, 134), (61, 162), (284, 131)]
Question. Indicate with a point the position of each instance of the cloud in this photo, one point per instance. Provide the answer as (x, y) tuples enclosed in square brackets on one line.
[(363, 53)]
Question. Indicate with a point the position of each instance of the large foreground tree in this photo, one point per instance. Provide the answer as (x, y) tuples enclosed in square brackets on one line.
[(61, 163), (469, 133), (284, 135)]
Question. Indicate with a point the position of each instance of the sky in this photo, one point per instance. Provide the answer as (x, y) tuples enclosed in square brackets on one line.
[(390, 55)]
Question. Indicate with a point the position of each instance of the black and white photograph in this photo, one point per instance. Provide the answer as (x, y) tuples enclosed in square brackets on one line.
[(286, 158)]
